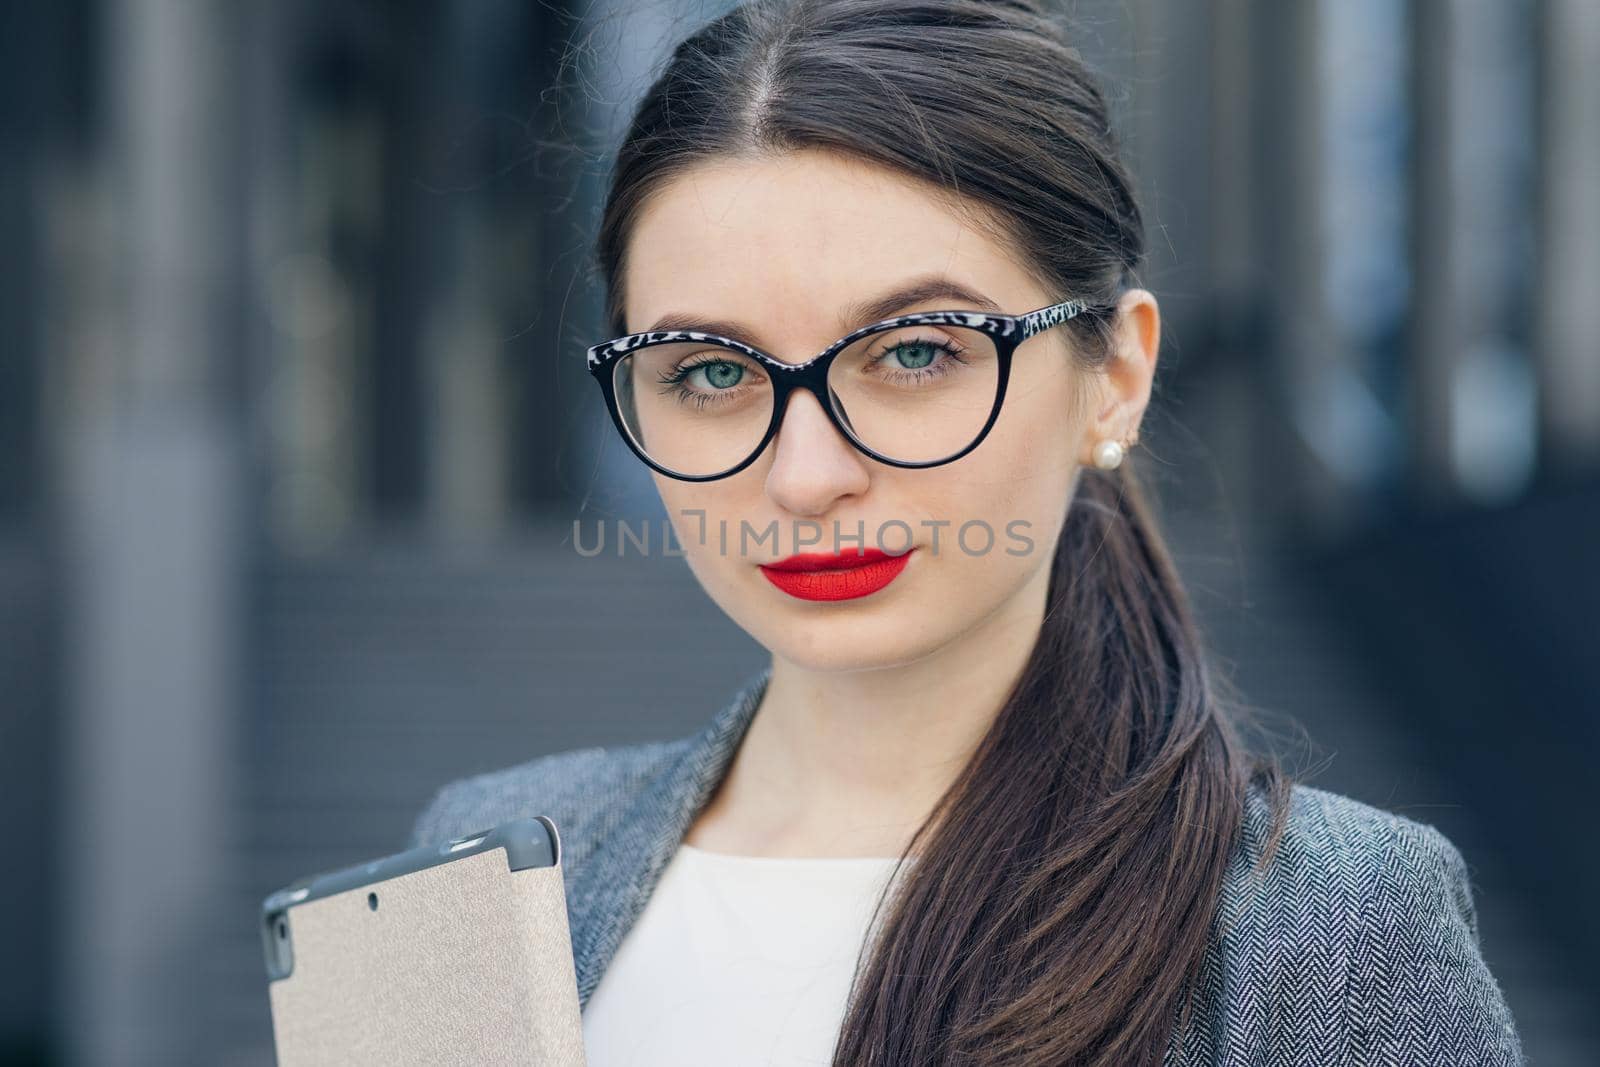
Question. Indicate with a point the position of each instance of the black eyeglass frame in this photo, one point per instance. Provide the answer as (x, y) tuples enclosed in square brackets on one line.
[(1007, 331)]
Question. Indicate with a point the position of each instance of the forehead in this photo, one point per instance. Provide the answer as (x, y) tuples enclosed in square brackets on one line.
[(788, 241)]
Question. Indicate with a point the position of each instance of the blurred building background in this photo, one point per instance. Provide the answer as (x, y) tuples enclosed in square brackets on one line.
[(294, 429)]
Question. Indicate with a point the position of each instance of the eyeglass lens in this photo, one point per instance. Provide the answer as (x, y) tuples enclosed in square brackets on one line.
[(915, 394)]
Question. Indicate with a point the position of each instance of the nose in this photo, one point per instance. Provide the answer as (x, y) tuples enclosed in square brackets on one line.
[(814, 465)]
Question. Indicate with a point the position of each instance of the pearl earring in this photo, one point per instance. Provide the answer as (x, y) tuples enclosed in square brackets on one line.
[(1108, 453)]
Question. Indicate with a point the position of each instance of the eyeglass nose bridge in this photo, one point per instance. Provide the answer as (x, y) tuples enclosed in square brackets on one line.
[(810, 377)]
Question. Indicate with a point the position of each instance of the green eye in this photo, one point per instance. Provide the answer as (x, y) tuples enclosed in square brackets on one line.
[(722, 375), (924, 354)]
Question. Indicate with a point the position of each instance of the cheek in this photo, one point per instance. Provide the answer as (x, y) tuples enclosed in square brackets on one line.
[(1013, 489), (1025, 467), (700, 513)]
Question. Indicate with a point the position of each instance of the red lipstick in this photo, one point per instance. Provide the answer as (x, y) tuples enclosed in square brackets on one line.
[(835, 576)]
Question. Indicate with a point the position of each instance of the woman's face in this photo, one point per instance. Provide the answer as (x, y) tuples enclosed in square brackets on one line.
[(783, 246)]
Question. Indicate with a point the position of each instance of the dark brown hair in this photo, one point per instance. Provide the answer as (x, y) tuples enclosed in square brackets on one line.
[(1107, 794)]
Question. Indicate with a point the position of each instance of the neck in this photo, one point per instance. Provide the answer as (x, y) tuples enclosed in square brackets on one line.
[(839, 763)]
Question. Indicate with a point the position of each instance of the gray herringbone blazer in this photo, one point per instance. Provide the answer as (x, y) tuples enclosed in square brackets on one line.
[(1359, 945)]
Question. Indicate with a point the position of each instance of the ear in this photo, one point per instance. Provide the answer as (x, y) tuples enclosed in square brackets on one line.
[(1129, 372)]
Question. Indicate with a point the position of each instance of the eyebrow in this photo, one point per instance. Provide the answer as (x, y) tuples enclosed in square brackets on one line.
[(917, 291)]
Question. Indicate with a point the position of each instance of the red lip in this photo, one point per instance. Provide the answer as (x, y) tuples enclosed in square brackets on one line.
[(835, 576)]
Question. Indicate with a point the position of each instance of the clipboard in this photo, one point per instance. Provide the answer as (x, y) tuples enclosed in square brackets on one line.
[(451, 953)]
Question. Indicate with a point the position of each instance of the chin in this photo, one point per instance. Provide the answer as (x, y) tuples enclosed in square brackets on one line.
[(835, 643), (839, 657)]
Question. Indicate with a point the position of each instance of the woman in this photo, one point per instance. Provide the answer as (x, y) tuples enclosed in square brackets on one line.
[(872, 272)]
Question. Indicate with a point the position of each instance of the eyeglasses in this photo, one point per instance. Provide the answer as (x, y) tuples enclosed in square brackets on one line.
[(912, 391)]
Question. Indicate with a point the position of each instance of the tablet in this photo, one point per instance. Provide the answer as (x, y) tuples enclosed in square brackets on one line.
[(445, 954)]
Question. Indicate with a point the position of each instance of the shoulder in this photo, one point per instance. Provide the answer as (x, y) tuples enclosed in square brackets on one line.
[(1333, 842), (1395, 875), (1360, 926), (583, 790)]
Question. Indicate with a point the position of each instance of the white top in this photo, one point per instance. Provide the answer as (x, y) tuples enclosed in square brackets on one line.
[(736, 960)]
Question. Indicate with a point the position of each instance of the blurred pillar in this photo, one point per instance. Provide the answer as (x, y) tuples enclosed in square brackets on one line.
[(1438, 331), (468, 456), (26, 75), (1300, 469), (37, 124), (1233, 388), (407, 268), (1568, 315), (152, 606), (1473, 423)]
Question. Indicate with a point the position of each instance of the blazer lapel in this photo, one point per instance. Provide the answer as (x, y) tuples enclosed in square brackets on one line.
[(622, 872)]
